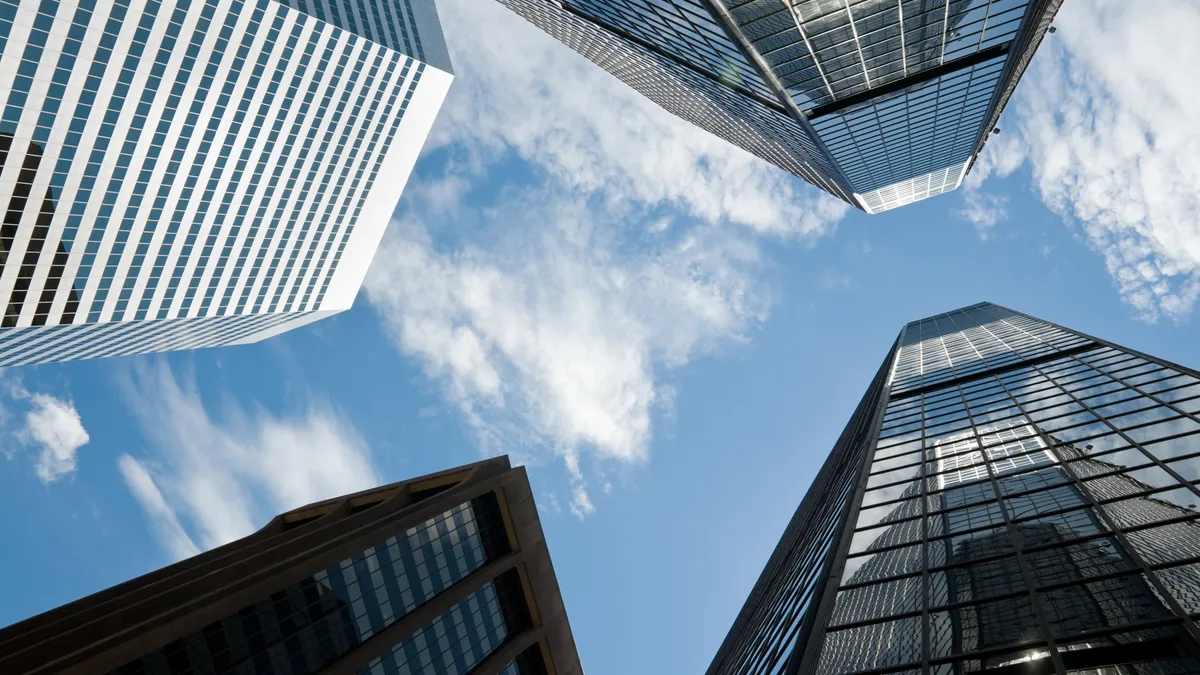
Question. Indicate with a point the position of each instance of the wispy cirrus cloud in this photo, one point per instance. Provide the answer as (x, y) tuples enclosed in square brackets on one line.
[(1106, 118), (44, 423), (983, 210), (578, 245), (207, 478)]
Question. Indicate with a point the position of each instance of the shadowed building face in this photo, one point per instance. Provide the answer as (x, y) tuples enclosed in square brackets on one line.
[(447, 573), (1010, 497)]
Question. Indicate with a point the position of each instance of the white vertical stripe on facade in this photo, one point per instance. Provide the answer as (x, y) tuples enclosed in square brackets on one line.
[(243, 138), (208, 166), (281, 155), (204, 211), (41, 180), (267, 238), (173, 134), (254, 188), (338, 152), (19, 39), (386, 80), (250, 287), (75, 176), (299, 259), (95, 120), (138, 164), (124, 186)]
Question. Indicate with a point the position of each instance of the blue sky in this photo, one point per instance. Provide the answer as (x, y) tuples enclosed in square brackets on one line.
[(667, 331)]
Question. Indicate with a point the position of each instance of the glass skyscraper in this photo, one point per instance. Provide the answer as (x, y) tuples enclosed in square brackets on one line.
[(189, 173), (447, 574), (1009, 497), (879, 102)]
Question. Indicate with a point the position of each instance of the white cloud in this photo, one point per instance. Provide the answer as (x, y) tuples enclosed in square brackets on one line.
[(1002, 155), (983, 210), (519, 90), (44, 423), (620, 243), (221, 477), (54, 426), (830, 280), (1108, 112), (553, 336), (162, 517)]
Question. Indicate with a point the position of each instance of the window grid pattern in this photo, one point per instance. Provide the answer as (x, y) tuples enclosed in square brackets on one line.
[(929, 127), (725, 66), (789, 590), (209, 159), (453, 644), (914, 189), (1056, 496), (971, 340), (384, 22), (71, 342), (310, 624), (849, 47), (686, 30), (760, 128)]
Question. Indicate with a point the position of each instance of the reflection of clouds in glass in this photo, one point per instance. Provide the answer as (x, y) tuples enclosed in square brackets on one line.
[(1182, 446), (906, 473), (880, 496)]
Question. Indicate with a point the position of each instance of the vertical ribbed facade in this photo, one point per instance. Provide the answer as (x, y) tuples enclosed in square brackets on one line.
[(878, 102), (446, 574), (188, 173), (1011, 497)]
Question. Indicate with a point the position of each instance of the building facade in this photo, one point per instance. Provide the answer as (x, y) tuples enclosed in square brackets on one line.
[(878, 102), (1010, 496), (446, 574), (190, 173)]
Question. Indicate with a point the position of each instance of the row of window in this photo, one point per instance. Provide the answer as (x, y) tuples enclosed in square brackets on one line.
[(937, 123), (305, 626), (1058, 494), (960, 345), (101, 287), (71, 342)]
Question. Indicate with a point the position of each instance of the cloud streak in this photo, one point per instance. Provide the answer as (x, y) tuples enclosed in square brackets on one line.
[(568, 244), (1107, 112), (209, 479)]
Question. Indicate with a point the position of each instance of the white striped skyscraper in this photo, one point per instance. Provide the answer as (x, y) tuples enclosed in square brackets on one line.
[(191, 173)]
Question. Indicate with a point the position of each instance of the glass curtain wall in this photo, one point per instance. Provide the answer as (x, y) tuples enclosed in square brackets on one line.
[(1041, 510), (1026, 502)]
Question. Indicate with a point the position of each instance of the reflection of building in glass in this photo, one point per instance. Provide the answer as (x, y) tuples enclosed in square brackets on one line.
[(446, 573), (180, 174), (879, 102), (1024, 508), (20, 201)]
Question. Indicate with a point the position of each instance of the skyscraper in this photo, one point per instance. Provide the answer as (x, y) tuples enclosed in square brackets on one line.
[(1010, 496), (190, 173), (878, 102), (447, 574)]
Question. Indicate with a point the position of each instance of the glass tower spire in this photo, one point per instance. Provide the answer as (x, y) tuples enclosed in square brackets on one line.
[(878, 102), (1011, 496)]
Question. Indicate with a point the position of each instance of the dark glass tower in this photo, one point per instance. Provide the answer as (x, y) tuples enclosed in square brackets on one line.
[(447, 574), (1010, 497), (879, 102)]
